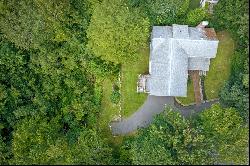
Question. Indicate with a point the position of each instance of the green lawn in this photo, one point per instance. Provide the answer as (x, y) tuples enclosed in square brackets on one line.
[(107, 114), (190, 94), (131, 100), (219, 70), (194, 4)]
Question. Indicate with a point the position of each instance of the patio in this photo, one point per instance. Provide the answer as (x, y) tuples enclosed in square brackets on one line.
[(142, 83)]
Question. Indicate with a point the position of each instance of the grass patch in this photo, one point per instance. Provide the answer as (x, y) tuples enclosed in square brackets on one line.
[(131, 100), (220, 66), (107, 114), (109, 109), (194, 4), (190, 94)]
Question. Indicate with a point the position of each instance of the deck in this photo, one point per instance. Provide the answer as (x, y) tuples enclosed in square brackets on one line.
[(142, 84)]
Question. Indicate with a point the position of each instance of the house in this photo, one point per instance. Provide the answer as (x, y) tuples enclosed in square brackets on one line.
[(210, 3), (176, 51), (203, 2)]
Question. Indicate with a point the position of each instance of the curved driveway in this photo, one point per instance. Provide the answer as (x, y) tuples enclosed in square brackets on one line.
[(152, 106), (145, 114)]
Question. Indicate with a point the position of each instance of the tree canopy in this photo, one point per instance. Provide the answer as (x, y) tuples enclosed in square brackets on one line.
[(54, 55), (56, 20), (234, 16), (163, 12), (117, 33), (39, 140), (228, 133), (216, 136)]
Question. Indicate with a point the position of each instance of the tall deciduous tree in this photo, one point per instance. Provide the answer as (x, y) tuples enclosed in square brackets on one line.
[(38, 23), (215, 136), (31, 139), (4, 151), (117, 33), (169, 140), (233, 15), (195, 16), (163, 12), (38, 140), (227, 132)]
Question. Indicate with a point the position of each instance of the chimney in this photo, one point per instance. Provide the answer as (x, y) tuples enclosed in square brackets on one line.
[(202, 25)]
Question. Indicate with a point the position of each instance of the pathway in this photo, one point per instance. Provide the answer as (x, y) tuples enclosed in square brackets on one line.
[(145, 114)]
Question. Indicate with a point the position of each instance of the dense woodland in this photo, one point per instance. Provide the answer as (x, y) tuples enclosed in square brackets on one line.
[(52, 53)]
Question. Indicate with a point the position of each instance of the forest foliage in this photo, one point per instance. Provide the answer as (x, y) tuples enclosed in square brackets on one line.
[(234, 17), (52, 52), (215, 136)]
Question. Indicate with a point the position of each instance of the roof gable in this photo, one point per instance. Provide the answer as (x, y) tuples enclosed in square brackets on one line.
[(175, 50)]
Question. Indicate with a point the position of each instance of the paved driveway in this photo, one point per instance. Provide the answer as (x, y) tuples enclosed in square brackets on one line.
[(145, 114), (190, 110), (152, 106)]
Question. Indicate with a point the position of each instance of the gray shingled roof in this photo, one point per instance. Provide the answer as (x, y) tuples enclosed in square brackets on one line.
[(198, 64), (179, 72), (199, 48), (173, 51), (161, 32), (180, 31), (195, 33)]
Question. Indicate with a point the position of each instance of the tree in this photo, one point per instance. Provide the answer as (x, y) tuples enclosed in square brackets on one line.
[(217, 135), (236, 95), (90, 148), (16, 82), (195, 16), (38, 140), (4, 152), (31, 139), (117, 33), (170, 139), (234, 16), (56, 20), (227, 132), (162, 12)]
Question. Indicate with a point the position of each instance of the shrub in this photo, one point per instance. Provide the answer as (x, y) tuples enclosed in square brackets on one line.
[(115, 96), (195, 16)]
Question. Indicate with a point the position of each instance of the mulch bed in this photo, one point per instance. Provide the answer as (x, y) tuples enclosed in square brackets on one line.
[(196, 83)]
